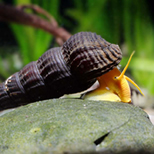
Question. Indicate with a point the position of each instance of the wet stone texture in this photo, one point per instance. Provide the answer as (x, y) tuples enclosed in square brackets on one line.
[(75, 126)]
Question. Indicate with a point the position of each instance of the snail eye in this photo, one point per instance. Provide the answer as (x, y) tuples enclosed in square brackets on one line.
[(115, 77)]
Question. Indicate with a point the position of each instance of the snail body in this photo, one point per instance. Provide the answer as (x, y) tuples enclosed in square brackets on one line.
[(71, 68), (113, 86)]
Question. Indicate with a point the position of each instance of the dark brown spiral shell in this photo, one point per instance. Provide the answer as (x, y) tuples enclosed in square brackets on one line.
[(63, 70)]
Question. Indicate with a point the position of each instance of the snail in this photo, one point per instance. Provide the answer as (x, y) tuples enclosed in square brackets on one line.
[(71, 68), (113, 86)]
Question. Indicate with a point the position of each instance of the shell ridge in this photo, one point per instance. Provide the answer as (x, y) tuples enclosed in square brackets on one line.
[(5, 100), (63, 63)]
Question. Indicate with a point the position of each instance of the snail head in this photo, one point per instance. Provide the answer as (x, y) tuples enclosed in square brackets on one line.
[(114, 86)]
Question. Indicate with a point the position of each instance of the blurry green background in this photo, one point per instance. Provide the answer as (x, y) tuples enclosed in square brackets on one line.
[(129, 23)]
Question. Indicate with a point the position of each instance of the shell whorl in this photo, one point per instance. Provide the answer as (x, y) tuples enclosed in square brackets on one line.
[(88, 55)]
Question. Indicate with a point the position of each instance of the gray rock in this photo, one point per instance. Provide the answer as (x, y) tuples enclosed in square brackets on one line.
[(72, 125)]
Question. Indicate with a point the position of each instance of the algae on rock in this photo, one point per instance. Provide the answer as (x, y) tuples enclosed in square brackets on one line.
[(73, 125)]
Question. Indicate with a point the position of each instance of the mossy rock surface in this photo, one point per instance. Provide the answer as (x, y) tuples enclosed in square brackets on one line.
[(71, 125)]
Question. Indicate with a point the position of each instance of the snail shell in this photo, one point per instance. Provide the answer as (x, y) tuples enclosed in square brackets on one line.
[(62, 70)]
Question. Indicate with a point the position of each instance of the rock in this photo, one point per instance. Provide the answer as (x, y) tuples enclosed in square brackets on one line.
[(72, 125)]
